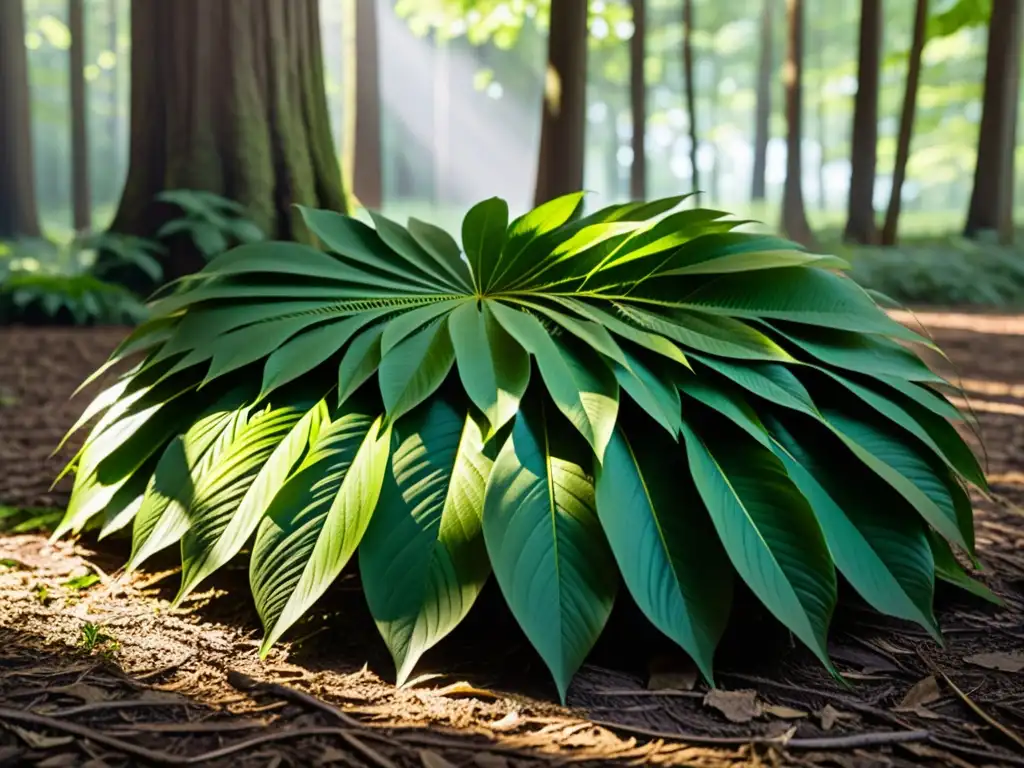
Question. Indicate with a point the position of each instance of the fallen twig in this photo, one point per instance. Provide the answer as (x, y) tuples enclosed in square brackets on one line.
[(985, 754), (1014, 737), (852, 741), (244, 683)]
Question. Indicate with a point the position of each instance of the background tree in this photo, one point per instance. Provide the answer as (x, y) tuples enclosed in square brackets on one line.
[(563, 126), (906, 129), (367, 173), (794, 214), (638, 101), (18, 213), (860, 222), (691, 90), (991, 206), (763, 108), (229, 98), (80, 190)]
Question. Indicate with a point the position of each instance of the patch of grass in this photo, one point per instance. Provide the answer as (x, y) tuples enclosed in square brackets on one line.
[(42, 593), (95, 638), (81, 582), (29, 519)]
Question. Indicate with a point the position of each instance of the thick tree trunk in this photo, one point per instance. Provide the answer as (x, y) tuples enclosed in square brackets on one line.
[(367, 173), (228, 97), (638, 101), (19, 216), (906, 131), (691, 96), (860, 222), (991, 205), (563, 127), (794, 215), (80, 188), (762, 116)]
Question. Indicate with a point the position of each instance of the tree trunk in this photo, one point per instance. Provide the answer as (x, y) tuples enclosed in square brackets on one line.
[(563, 127), (906, 131), (19, 216), (80, 189), (229, 98), (860, 222), (794, 215), (367, 173), (763, 112), (691, 97), (821, 119), (991, 205), (638, 101), (114, 122)]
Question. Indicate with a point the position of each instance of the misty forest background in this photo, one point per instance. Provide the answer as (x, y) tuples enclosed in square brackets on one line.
[(435, 104)]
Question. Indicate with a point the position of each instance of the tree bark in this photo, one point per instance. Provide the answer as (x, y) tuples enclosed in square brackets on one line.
[(906, 130), (80, 188), (367, 173), (763, 111), (638, 101), (563, 126), (860, 222), (19, 216), (114, 122), (691, 97), (991, 205), (228, 98), (794, 214)]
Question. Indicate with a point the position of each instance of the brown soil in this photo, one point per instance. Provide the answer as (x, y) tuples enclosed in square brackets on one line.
[(176, 687)]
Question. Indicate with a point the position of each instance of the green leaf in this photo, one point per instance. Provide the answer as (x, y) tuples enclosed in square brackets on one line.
[(653, 391), (423, 560), (232, 496), (405, 324), (721, 336), (797, 294), (768, 530), (949, 570), (399, 240), (881, 548), (770, 381), (545, 543), (484, 232), (415, 368), (317, 519), (526, 231), (493, 368), (714, 264), (663, 540), (893, 459), (360, 361), (581, 385), (444, 250)]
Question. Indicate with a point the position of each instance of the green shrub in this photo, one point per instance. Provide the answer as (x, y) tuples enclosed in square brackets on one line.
[(213, 223), (561, 400)]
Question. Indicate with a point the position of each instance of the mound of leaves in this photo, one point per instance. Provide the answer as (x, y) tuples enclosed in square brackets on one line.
[(568, 401)]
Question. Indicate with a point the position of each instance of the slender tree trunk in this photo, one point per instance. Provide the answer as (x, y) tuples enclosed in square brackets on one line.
[(763, 111), (563, 127), (638, 101), (80, 189), (821, 119), (114, 121), (991, 205), (906, 131), (229, 98), (860, 222), (691, 97), (367, 173), (19, 215), (794, 215)]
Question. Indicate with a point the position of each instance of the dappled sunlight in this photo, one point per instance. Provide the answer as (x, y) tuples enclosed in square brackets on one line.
[(1008, 325), (988, 406), (991, 388)]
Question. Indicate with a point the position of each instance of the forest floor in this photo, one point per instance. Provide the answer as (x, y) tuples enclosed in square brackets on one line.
[(97, 670)]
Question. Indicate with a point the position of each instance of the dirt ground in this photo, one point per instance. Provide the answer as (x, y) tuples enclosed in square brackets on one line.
[(95, 669)]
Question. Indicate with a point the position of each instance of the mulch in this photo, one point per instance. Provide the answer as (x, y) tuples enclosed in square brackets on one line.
[(97, 670)]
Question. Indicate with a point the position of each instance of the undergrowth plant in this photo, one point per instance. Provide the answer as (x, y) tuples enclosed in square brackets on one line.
[(565, 400)]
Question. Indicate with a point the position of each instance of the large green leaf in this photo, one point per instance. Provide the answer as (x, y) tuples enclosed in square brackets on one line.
[(582, 386), (444, 250), (423, 560), (484, 231), (878, 543), (415, 368), (399, 240), (525, 232), (662, 537), (545, 542), (652, 390), (494, 369), (768, 529), (316, 520), (230, 499)]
